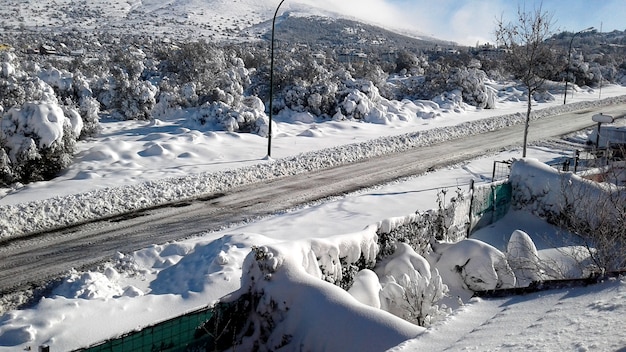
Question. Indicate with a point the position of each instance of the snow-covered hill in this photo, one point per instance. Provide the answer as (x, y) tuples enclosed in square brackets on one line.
[(212, 19)]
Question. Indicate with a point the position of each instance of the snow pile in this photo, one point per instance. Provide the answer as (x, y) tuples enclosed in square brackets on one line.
[(294, 302), (291, 302)]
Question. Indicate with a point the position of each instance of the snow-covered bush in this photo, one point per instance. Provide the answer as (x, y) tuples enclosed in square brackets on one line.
[(199, 62), (287, 289), (127, 98), (522, 256), (231, 83), (89, 109), (39, 141), (410, 288), (74, 91), (360, 102), (318, 97), (446, 223), (61, 81), (472, 265), (15, 91), (408, 63), (471, 83), (248, 116)]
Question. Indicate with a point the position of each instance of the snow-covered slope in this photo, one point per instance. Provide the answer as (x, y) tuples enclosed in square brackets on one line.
[(213, 19)]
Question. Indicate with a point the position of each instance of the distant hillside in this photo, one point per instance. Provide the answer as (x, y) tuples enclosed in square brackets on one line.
[(210, 19), (339, 32)]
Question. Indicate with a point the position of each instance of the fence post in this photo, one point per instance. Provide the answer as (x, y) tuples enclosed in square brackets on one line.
[(471, 206)]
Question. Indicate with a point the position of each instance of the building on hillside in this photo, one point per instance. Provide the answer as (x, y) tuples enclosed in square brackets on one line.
[(45, 49), (352, 56)]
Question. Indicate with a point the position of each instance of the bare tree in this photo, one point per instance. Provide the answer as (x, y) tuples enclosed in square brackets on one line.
[(529, 56)]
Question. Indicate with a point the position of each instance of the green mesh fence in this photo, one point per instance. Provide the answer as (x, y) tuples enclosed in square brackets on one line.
[(490, 203), (173, 335)]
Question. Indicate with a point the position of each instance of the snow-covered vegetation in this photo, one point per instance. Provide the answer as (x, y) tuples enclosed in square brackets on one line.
[(219, 86), (89, 108)]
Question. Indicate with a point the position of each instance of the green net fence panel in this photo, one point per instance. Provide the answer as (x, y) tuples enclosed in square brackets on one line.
[(490, 203), (176, 334)]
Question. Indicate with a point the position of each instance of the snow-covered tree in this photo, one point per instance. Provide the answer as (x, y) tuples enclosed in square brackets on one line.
[(39, 141), (128, 98), (529, 57)]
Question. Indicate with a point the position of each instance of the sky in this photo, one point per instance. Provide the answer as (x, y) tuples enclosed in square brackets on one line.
[(470, 21)]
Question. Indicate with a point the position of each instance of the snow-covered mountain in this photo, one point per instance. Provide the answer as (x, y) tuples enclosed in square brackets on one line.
[(210, 19)]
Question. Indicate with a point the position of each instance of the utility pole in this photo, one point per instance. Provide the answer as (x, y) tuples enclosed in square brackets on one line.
[(271, 112)]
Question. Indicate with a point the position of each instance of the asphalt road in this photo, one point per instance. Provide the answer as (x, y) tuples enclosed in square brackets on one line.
[(33, 260)]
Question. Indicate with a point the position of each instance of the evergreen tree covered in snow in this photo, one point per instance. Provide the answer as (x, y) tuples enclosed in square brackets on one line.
[(38, 140)]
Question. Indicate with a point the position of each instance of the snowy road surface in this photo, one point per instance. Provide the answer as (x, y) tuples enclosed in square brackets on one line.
[(36, 258)]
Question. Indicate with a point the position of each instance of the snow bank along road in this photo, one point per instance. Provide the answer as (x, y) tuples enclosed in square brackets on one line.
[(34, 259)]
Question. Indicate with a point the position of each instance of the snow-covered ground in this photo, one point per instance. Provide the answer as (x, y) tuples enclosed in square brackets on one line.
[(165, 280), (209, 19)]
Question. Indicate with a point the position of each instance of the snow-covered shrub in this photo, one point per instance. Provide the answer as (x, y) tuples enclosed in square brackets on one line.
[(61, 81), (173, 98), (522, 256), (199, 62), (447, 223), (360, 102), (6, 172), (39, 141), (14, 92), (410, 289), (127, 98), (73, 90), (89, 109), (410, 63), (471, 83), (320, 98), (472, 265), (7, 70), (231, 83), (249, 116)]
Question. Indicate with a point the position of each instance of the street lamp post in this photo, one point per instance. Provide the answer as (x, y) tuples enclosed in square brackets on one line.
[(269, 135), (569, 58)]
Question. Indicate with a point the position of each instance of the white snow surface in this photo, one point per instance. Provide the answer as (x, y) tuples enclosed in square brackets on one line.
[(147, 163)]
